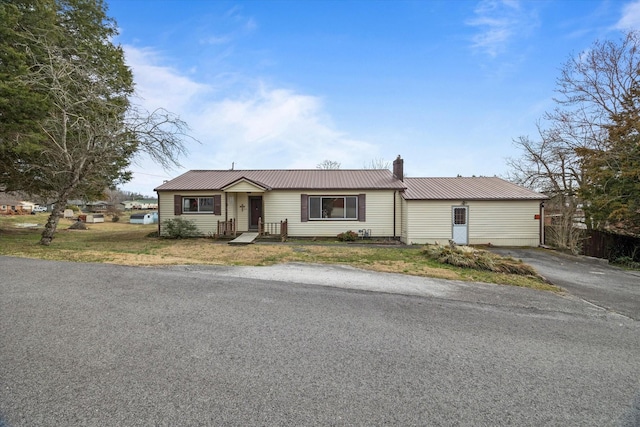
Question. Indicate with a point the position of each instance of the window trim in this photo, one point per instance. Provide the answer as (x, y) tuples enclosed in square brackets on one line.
[(179, 199), (344, 197)]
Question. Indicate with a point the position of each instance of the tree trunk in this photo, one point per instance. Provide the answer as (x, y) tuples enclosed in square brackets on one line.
[(52, 224)]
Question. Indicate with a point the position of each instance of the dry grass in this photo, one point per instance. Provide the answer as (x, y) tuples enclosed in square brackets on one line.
[(468, 257), (128, 244)]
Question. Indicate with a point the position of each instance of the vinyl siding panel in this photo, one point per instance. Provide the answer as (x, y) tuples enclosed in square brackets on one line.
[(245, 187), (427, 221), (241, 215), (281, 205), (510, 223), (404, 220), (500, 223), (206, 222)]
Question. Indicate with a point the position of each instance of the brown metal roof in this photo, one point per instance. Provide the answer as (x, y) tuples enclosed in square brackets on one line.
[(304, 179), (466, 188)]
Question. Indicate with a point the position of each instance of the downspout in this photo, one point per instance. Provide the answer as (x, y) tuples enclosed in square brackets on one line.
[(541, 223), (226, 206), (395, 193), (158, 194)]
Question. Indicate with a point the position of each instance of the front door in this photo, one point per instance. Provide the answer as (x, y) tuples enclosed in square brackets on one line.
[(460, 226), (255, 211)]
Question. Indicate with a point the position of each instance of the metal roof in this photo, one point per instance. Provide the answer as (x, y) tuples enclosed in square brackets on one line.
[(466, 188), (303, 179)]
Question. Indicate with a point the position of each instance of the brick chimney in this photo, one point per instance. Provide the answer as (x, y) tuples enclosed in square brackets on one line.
[(398, 168)]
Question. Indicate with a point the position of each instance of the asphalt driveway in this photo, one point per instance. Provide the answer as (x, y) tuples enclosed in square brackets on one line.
[(591, 279)]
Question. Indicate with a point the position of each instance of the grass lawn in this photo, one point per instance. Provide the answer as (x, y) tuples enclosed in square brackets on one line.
[(129, 244)]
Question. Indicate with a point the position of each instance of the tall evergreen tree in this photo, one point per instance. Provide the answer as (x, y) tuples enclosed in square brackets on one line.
[(82, 133), (612, 173)]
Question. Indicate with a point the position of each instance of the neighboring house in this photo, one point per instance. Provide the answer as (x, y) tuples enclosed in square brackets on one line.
[(375, 202), (140, 204), (81, 204), (11, 203), (98, 206)]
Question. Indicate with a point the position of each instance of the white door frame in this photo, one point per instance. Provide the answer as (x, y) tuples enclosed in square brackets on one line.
[(460, 225)]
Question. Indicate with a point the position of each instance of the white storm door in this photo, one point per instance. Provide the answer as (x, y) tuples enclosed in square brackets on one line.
[(460, 226)]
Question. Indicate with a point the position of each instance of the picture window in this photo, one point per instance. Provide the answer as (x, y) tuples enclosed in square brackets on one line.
[(333, 208)]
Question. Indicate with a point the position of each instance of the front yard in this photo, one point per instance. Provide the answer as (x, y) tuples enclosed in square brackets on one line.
[(130, 244)]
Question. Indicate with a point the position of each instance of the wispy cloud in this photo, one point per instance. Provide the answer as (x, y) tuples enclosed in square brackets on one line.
[(499, 22), (276, 128), (630, 17), (255, 125), (216, 40), (160, 86)]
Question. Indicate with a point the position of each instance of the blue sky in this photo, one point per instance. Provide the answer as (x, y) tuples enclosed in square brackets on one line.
[(287, 84)]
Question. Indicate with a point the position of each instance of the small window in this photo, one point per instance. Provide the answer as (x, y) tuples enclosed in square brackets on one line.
[(333, 208), (197, 204), (459, 216)]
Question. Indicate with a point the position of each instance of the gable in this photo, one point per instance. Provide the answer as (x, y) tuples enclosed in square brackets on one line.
[(244, 185)]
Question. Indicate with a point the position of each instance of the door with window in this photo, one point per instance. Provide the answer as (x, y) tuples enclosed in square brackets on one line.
[(255, 211), (460, 216)]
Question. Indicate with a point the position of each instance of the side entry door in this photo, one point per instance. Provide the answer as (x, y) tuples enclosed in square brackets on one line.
[(460, 217)]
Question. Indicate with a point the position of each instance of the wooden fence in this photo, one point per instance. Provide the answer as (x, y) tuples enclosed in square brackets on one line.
[(603, 244)]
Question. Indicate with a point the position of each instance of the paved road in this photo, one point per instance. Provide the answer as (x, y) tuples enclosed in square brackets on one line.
[(591, 279), (95, 345)]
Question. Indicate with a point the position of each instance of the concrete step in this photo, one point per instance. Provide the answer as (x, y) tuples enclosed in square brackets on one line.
[(244, 239)]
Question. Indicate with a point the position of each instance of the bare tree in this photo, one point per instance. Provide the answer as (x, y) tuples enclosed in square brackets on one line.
[(90, 135), (328, 164), (592, 89), (378, 163)]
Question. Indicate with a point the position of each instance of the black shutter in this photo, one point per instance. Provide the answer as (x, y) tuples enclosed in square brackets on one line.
[(304, 207), (177, 204), (362, 207), (217, 204)]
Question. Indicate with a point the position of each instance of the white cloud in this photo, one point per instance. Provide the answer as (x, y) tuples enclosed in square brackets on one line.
[(499, 22), (276, 128), (160, 86), (630, 17), (253, 125)]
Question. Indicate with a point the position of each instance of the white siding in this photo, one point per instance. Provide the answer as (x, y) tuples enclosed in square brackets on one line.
[(244, 187), (241, 212), (206, 222), (501, 223), (281, 205), (404, 221)]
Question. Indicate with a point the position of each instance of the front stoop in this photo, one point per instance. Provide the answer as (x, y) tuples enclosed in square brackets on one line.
[(244, 239)]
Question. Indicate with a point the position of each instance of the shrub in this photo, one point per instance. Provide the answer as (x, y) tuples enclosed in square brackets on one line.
[(465, 256), (348, 236), (627, 261), (179, 228)]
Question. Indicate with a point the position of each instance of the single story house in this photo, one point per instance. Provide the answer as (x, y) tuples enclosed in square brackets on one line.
[(373, 202), (10, 202), (98, 206), (140, 204)]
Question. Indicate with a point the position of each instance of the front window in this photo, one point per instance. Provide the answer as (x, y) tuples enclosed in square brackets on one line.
[(339, 207), (197, 204)]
